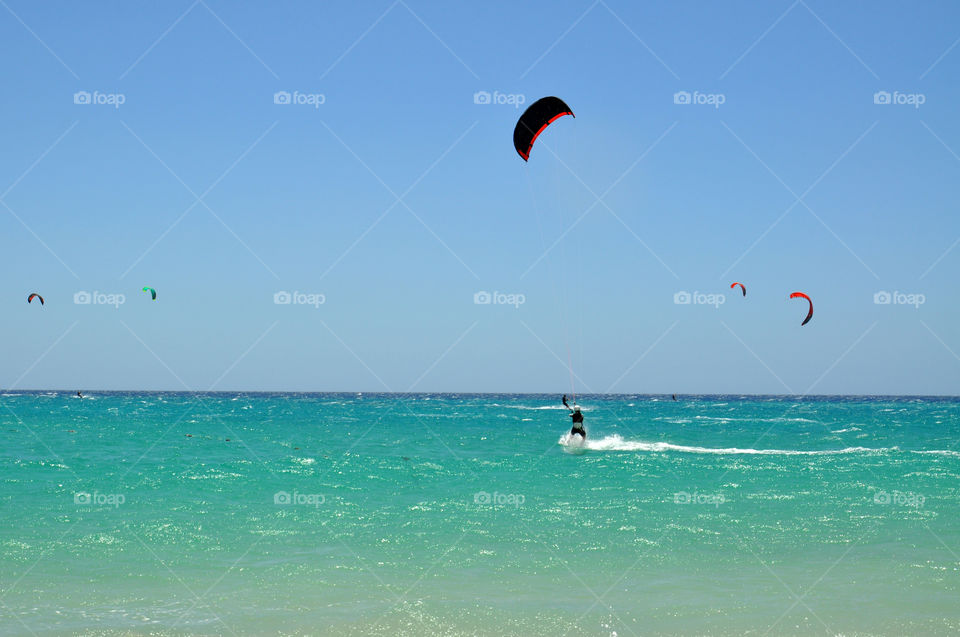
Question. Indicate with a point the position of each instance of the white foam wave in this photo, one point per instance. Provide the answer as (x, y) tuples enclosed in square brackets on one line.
[(538, 408), (941, 452), (617, 443), (732, 419)]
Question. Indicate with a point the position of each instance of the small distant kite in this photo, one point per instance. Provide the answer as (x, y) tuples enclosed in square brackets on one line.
[(801, 295), (735, 284), (534, 120), (153, 293), (34, 296)]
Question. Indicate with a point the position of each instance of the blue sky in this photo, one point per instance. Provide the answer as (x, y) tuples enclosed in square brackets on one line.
[(399, 198)]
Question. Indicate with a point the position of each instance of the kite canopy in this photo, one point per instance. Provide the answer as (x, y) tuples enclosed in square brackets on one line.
[(735, 284), (801, 295), (34, 296), (537, 117), (153, 293)]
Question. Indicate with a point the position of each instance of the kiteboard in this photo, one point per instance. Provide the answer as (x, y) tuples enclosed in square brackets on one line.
[(573, 443)]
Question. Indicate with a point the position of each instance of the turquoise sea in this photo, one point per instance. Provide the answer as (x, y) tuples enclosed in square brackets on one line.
[(373, 514)]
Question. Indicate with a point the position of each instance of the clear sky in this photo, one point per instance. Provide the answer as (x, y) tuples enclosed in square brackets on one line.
[(399, 198)]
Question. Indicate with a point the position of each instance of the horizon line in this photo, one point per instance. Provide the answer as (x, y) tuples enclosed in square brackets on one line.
[(4, 391)]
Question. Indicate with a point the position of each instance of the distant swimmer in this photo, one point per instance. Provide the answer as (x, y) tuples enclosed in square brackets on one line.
[(577, 419)]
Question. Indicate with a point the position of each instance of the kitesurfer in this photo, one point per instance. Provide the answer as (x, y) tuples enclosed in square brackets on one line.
[(577, 419)]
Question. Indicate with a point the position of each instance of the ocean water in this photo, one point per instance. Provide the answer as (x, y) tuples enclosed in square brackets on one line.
[(348, 514)]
